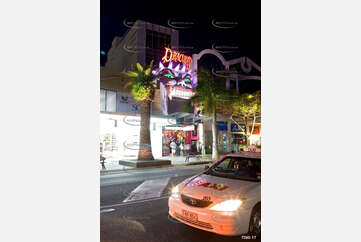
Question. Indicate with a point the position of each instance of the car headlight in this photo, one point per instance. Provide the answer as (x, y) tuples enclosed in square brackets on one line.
[(227, 206), (175, 192)]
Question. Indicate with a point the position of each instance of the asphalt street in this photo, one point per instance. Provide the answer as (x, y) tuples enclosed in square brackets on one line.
[(130, 213)]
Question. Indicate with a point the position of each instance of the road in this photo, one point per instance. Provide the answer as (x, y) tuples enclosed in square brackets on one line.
[(134, 207)]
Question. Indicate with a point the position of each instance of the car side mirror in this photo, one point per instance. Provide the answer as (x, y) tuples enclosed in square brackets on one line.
[(206, 167)]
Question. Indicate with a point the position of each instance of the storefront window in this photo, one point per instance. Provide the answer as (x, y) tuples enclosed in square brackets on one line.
[(111, 101), (108, 101), (119, 135), (194, 132), (102, 100)]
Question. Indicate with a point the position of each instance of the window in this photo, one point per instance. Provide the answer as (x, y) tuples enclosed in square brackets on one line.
[(167, 40), (107, 101), (156, 40), (148, 39), (194, 132), (224, 165), (239, 168), (155, 43), (111, 101), (102, 100)]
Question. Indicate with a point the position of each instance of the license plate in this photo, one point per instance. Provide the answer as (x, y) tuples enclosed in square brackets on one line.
[(190, 215)]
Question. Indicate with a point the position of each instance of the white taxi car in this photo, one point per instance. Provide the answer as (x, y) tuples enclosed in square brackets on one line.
[(224, 199)]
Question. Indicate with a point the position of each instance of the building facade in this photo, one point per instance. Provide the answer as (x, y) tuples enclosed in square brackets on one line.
[(143, 43)]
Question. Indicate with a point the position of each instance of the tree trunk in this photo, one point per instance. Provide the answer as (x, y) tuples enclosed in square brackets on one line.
[(229, 126), (253, 122), (214, 134), (145, 147), (247, 131)]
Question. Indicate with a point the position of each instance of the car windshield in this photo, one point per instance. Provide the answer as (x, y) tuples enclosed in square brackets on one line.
[(241, 168)]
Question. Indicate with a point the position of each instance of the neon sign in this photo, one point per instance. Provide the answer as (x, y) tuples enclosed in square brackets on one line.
[(180, 93), (175, 77), (171, 55)]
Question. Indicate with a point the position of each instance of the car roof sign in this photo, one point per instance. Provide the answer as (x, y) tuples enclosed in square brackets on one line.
[(255, 155)]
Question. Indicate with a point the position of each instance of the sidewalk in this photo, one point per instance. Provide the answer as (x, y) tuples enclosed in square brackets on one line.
[(180, 160), (112, 164)]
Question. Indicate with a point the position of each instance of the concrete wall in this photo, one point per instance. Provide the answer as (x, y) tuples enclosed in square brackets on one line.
[(131, 48), (123, 52)]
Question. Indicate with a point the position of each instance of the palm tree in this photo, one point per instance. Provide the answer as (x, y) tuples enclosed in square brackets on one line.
[(211, 92), (143, 84)]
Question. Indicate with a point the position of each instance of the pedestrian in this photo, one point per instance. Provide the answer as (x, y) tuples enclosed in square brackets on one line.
[(102, 160), (181, 148), (177, 149), (187, 148), (198, 146), (173, 147)]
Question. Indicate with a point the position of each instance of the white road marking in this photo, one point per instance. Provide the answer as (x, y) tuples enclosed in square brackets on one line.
[(107, 210), (135, 202), (132, 179), (148, 189)]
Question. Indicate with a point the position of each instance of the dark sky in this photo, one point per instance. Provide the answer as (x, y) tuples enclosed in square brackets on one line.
[(237, 32)]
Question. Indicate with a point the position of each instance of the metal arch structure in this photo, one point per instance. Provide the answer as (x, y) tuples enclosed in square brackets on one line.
[(246, 66), (196, 57)]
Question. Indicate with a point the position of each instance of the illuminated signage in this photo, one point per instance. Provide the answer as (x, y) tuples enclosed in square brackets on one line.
[(133, 121), (180, 93), (175, 77), (171, 55)]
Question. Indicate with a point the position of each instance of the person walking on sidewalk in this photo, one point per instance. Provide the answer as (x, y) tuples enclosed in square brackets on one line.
[(181, 148), (177, 150), (173, 147), (187, 148), (102, 158)]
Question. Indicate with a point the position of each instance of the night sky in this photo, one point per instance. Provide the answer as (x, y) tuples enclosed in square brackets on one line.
[(237, 32)]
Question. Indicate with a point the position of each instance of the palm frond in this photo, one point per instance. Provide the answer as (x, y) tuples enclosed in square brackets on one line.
[(132, 74), (147, 71), (139, 67), (129, 83)]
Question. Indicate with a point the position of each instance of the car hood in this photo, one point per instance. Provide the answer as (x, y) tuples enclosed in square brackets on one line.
[(217, 188)]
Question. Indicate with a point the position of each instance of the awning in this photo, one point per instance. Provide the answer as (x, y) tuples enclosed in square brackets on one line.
[(179, 127)]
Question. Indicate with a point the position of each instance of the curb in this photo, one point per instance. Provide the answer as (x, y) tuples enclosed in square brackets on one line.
[(102, 172), (197, 163), (145, 163)]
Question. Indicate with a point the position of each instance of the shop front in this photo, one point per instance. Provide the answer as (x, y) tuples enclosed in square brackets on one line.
[(184, 137), (119, 135), (176, 83), (255, 137), (236, 135)]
